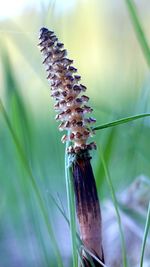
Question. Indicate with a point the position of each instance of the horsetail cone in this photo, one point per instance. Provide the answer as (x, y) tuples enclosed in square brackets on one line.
[(68, 92), (72, 108)]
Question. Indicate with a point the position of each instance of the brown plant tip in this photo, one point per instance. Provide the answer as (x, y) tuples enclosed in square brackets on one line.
[(66, 90)]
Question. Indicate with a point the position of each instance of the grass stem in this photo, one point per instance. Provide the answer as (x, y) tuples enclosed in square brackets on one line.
[(34, 185), (120, 121), (71, 207), (109, 181), (147, 225), (138, 29)]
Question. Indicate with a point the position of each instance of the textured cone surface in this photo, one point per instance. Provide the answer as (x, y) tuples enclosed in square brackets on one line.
[(68, 92)]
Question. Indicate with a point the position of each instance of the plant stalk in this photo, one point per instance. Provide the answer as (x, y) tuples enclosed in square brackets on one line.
[(88, 209)]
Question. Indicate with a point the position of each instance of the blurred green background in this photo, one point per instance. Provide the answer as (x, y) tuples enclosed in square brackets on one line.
[(100, 38)]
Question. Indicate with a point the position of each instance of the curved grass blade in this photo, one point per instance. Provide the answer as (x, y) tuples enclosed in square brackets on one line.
[(89, 253), (112, 190), (120, 121), (147, 226), (15, 104), (77, 236), (108, 149), (34, 185), (138, 29), (60, 209), (71, 206), (66, 218)]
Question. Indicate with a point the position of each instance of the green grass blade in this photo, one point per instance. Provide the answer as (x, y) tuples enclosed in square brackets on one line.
[(90, 254), (34, 185), (112, 190), (108, 150), (71, 207), (15, 104), (147, 226), (138, 29), (60, 209), (67, 220), (120, 121)]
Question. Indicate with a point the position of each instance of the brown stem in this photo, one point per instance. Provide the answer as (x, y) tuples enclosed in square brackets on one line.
[(87, 208)]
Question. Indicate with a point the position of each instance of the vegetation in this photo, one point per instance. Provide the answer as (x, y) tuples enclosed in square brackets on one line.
[(34, 228)]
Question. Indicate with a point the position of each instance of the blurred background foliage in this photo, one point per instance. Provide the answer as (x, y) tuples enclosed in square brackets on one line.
[(100, 38)]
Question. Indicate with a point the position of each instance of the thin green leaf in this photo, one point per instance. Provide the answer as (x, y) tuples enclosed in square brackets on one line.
[(108, 149), (89, 253), (66, 218), (71, 206), (120, 121), (112, 190), (34, 185), (60, 209), (138, 29), (147, 225)]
